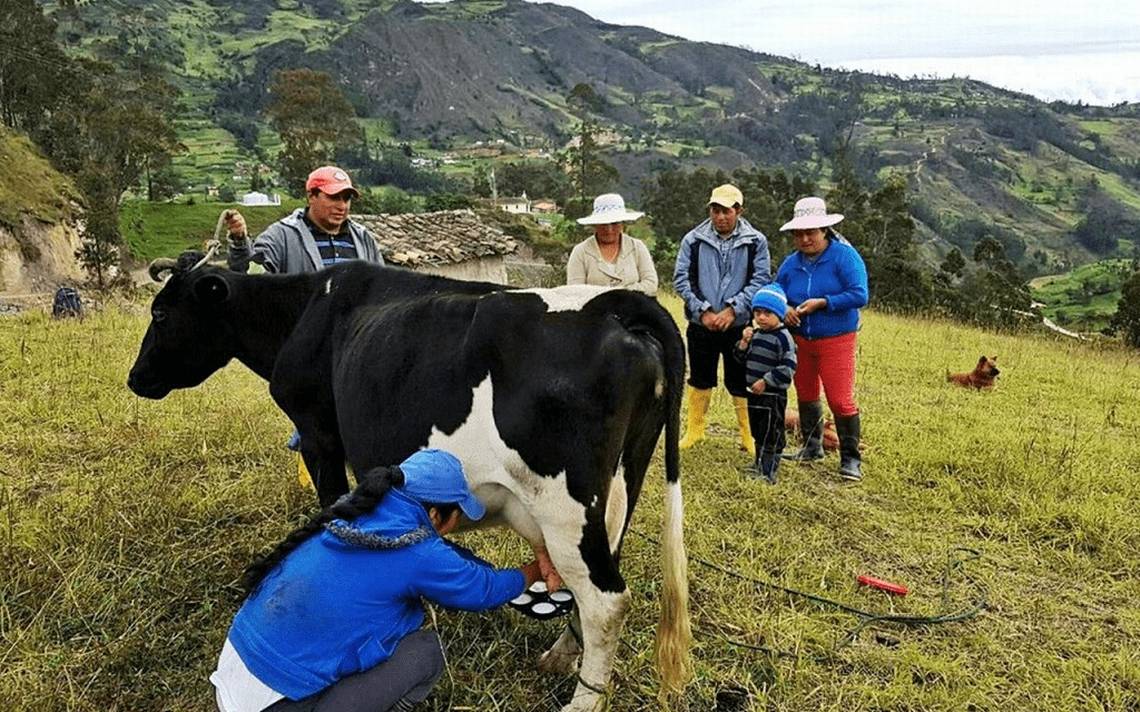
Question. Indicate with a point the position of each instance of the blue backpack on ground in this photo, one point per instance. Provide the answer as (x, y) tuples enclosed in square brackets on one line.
[(66, 303)]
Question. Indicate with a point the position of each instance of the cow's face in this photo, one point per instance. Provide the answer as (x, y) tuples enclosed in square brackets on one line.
[(187, 339)]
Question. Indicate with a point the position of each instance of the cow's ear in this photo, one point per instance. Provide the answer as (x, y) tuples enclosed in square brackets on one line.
[(982, 359), (211, 289)]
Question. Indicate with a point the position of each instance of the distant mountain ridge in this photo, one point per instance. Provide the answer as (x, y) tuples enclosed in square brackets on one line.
[(451, 73)]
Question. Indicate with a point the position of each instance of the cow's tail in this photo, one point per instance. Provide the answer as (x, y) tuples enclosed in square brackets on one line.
[(674, 634)]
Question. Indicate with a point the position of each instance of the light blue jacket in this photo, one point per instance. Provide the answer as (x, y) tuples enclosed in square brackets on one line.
[(287, 247), (839, 276), (712, 272), (332, 609)]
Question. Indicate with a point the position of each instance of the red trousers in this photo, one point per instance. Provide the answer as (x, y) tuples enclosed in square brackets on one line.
[(829, 361)]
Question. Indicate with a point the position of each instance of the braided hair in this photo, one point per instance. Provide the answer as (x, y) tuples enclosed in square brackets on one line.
[(370, 489)]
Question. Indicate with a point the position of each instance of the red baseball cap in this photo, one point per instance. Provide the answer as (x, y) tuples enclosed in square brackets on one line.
[(330, 180)]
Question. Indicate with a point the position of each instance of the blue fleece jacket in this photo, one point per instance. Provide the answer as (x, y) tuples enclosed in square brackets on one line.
[(839, 276), (333, 609), (721, 272)]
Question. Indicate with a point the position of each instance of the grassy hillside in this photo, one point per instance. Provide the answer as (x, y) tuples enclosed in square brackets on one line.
[(969, 150), (125, 524), (29, 186)]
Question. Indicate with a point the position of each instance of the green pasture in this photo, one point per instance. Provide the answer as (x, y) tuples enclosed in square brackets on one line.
[(165, 229), (125, 523), (1052, 180), (465, 10), (193, 23), (1085, 298)]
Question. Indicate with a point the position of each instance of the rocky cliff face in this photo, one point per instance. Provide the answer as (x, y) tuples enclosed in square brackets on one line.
[(39, 220), (38, 257)]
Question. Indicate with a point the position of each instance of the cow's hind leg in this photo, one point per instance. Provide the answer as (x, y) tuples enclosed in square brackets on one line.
[(588, 567), (562, 658)]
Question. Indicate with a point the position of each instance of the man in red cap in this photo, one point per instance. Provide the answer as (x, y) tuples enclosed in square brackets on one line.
[(308, 240), (311, 238)]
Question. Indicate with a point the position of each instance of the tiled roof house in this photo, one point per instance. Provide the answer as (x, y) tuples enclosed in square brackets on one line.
[(451, 243)]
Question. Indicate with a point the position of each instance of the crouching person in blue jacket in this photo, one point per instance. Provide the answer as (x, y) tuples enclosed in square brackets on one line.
[(332, 620)]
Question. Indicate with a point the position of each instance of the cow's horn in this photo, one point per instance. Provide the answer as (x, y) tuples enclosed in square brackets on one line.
[(160, 265)]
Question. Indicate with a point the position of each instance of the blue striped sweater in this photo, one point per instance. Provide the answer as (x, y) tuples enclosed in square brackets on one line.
[(770, 355)]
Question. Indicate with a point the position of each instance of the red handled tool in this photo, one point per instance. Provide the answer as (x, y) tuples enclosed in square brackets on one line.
[(896, 588)]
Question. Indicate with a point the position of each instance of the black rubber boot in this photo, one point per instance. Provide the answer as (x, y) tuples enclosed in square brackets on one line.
[(848, 429), (769, 465), (811, 429)]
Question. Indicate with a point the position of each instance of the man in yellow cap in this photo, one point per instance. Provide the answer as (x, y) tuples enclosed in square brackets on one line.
[(720, 265)]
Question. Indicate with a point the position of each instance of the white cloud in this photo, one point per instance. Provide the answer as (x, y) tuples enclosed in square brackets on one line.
[(1072, 77), (1049, 48)]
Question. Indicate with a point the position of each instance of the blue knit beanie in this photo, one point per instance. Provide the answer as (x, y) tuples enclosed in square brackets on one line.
[(771, 297)]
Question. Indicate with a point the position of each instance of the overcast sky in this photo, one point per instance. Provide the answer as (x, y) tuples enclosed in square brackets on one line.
[(1072, 49)]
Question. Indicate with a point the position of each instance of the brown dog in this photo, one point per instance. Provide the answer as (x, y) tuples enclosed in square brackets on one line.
[(982, 376)]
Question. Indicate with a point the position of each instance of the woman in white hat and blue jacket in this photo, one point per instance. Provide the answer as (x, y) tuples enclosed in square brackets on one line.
[(826, 284), (612, 258), (332, 620)]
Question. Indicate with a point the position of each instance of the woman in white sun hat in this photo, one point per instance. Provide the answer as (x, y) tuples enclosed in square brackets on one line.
[(826, 283), (611, 258)]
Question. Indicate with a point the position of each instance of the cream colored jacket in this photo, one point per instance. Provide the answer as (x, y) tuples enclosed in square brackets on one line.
[(632, 270)]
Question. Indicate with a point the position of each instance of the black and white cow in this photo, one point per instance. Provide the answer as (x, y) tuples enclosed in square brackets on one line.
[(553, 400)]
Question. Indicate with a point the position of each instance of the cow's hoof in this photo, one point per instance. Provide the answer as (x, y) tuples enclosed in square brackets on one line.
[(557, 662), (586, 703)]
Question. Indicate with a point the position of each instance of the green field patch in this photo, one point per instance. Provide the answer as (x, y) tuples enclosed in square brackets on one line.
[(721, 93), (657, 46), (211, 153), (1101, 127), (1085, 298), (376, 129), (554, 102), (166, 229), (466, 10), (193, 23), (1115, 186)]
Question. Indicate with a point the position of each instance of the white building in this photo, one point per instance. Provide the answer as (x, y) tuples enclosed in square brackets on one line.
[(515, 205), (256, 198)]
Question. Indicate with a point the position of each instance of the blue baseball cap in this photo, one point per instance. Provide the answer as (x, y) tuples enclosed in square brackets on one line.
[(437, 476)]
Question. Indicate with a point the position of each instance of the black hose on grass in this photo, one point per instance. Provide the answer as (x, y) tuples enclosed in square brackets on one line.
[(956, 558)]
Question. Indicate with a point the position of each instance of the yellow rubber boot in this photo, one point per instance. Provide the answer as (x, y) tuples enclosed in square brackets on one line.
[(698, 407), (303, 477), (746, 441)]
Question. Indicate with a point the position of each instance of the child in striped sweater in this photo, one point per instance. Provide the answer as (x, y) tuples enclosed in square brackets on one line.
[(769, 355)]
